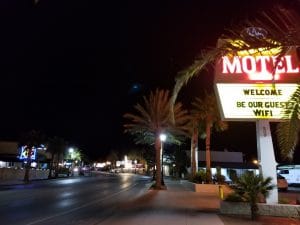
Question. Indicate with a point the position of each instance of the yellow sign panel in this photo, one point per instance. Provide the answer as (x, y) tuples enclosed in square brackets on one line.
[(254, 101)]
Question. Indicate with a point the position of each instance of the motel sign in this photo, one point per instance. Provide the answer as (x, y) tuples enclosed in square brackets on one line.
[(251, 87)]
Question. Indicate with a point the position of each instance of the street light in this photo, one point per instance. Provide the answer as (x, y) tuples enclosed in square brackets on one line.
[(71, 150), (162, 138)]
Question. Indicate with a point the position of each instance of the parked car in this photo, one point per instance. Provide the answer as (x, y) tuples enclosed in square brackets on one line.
[(282, 184)]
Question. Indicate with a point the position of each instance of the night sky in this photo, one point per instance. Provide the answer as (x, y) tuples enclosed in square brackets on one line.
[(73, 68)]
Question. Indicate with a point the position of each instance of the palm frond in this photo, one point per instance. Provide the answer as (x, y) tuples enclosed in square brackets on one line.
[(287, 134), (153, 117)]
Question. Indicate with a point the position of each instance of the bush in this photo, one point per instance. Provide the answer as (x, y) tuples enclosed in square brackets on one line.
[(199, 177), (234, 197), (208, 176), (220, 179), (233, 175)]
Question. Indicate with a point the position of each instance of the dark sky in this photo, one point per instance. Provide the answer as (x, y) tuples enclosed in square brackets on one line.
[(69, 68)]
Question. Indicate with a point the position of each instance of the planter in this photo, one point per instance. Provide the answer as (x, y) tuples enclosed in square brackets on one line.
[(243, 208), (235, 208)]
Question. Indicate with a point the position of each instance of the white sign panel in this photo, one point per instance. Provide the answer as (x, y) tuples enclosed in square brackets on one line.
[(254, 101)]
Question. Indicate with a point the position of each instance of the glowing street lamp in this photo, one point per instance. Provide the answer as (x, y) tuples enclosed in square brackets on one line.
[(163, 137), (71, 150)]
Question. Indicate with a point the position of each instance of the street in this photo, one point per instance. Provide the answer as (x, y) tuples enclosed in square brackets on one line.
[(107, 199), (76, 200)]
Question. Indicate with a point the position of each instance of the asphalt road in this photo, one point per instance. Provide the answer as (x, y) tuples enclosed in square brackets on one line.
[(78, 200)]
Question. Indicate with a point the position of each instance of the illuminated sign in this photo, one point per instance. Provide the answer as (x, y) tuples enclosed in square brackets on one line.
[(258, 86), (25, 153), (259, 67), (254, 101)]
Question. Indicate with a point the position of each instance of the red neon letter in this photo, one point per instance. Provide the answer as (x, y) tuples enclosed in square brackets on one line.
[(289, 66), (233, 67)]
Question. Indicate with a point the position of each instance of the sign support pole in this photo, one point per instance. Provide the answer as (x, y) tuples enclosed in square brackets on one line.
[(266, 157)]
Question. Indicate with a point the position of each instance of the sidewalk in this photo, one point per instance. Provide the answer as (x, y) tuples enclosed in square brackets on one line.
[(177, 205)]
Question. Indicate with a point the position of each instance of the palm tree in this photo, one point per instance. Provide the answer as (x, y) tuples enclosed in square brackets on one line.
[(207, 111), (288, 131), (56, 146), (30, 139), (153, 118), (250, 186)]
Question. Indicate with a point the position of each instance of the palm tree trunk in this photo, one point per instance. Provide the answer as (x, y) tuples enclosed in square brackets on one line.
[(51, 166), (254, 209), (207, 150), (158, 163), (194, 145), (28, 165)]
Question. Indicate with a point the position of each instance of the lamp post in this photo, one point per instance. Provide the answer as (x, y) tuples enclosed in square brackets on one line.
[(71, 151), (162, 138), (135, 162)]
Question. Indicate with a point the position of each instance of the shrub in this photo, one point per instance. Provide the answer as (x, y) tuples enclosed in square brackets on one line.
[(233, 175), (220, 179), (208, 176), (199, 177), (250, 187), (234, 197)]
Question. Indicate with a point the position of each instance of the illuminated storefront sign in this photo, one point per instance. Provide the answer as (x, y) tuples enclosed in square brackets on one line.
[(25, 153), (259, 67), (257, 86), (254, 101)]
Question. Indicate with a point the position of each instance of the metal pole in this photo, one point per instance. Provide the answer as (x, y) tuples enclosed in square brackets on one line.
[(162, 163)]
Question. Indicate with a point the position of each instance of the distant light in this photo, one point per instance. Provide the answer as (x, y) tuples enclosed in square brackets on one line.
[(163, 137), (100, 165), (71, 150)]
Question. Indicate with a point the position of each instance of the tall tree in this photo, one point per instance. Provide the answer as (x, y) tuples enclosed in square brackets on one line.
[(153, 117), (206, 109), (56, 147), (31, 140)]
